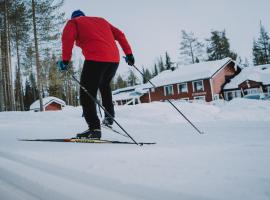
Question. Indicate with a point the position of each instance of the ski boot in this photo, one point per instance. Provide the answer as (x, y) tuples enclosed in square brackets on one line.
[(90, 134), (107, 121)]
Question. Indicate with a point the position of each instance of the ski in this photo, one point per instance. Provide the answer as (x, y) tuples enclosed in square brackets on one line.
[(77, 140)]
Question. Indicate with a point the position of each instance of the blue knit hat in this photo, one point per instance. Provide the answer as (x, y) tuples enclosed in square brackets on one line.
[(77, 13)]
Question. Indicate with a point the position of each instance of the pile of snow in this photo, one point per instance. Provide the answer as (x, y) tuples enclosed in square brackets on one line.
[(229, 161)]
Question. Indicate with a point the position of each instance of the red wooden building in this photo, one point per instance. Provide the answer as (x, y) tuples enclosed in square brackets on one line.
[(200, 81), (49, 104), (251, 80)]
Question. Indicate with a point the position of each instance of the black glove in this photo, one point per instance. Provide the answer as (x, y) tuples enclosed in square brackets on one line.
[(62, 65), (130, 59)]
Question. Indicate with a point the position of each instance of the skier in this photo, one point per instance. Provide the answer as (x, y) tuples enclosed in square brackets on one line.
[(96, 37)]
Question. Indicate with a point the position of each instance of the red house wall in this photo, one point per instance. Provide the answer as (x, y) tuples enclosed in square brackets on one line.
[(220, 78), (53, 106), (158, 94), (250, 84)]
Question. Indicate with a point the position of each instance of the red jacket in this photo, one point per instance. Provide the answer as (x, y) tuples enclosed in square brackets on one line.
[(96, 37)]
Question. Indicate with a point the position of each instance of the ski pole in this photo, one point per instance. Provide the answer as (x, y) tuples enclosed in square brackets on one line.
[(200, 132), (96, 101)]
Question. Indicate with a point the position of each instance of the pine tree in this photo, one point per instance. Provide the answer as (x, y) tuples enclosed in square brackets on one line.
[(161, 65), (190, 48), (155, 72), (146, 75), (19, 91), (46, 22), (219, 46), (7, 88), (261, 48), (20, 26), (132, 78), (168, 62), (55, 80), (120, 82)]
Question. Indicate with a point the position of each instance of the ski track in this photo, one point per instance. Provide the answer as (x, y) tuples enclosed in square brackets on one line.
[(94, 184)]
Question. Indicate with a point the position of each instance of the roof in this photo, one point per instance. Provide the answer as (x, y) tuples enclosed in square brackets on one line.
[(259, 73), (126, 89), (191, 72), (46, 101), (126, 95)]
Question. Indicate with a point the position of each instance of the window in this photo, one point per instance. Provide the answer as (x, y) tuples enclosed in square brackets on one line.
[(238, 93), (168, 90), (182, 87), (232, 94), (152, 90), (268, 89), (198, 86), (253, 91)]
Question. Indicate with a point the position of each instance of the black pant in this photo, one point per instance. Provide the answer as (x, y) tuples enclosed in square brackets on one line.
[(96, 75)]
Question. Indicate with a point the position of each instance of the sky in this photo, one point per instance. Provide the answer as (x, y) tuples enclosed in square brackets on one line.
[(153, 27)]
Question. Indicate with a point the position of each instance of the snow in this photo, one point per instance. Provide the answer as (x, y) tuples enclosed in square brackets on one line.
[(230, 161), (255, 73), (46, 100), (187, 73)]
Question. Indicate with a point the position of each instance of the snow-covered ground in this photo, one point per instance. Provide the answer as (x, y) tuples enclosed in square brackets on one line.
[(230, 161)]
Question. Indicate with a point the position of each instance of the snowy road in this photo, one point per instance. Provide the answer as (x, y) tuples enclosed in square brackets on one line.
[(231, 161)]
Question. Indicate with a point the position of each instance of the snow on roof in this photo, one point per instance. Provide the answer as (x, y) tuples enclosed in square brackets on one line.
[(259, 73), (126, 95), (46, 101), (126, 89), (187, 73)]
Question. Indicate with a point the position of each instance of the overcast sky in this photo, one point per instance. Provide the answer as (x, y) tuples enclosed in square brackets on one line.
[(154, 26)]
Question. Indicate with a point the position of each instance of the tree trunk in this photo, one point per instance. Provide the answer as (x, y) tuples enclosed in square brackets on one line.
[(19, 69), (1, 78), (8, 80), (38, 67)]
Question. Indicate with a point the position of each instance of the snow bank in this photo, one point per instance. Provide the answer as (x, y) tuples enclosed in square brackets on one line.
[(230, 161)]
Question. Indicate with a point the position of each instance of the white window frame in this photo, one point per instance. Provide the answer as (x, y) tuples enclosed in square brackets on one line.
[(178, 88), (193, 86), (168, 86)]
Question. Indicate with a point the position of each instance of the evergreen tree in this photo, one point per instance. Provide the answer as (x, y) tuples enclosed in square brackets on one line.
[(132, 78), (168, 62), (155, 72), (28, 97), (261, 48), (55, 80), (20, 37), (30, 94), (146, 75), (19, 91), (120, 82), (46, 28), (7, 91), (219, 46), (161, 65), (190, 48)]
